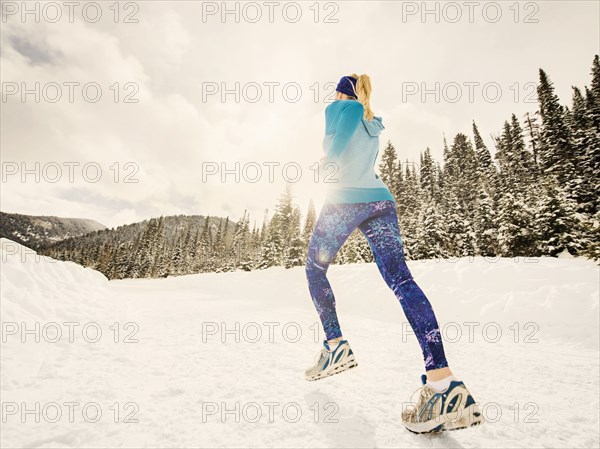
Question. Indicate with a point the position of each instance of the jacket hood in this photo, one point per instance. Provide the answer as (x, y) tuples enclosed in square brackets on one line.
[(373, 127)]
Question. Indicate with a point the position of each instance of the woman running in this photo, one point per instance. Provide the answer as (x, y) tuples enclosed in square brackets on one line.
[(360, 199)]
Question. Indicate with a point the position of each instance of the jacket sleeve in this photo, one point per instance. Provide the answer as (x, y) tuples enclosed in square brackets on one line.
[(350, 118)]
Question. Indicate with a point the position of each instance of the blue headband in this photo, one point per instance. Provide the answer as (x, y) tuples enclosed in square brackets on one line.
[(345, 86)]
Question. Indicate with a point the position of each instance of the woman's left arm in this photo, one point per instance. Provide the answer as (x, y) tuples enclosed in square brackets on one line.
[(350, 118)]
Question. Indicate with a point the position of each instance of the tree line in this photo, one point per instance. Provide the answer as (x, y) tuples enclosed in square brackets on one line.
[(536, 196)]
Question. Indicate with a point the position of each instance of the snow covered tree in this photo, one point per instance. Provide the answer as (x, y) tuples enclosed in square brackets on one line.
[(286, 220), (515, 161), (253, 250), (133, 265), (461, 174), (177, 257), (205, 246), (354, 250), (347, 253), (431, 239), (486, 170), (104, 262), (556, 156), (362, 248), (524, 166), (592, 106), (461, 236), (309, 223), (272, 245), (555, 223), (427, 174), (388, 168), (407, 203), (515, 223), (296, 253), (486, 236), (583, 144), (241, 239), (533, 132), (122, 265), (219, 261), (186, 251), (591, 231), (159, 266)]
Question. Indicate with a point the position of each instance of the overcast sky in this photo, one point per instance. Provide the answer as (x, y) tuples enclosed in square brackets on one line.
[(168, 56)]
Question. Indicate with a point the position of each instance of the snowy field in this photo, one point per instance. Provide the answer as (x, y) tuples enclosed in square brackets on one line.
[(217, 360)]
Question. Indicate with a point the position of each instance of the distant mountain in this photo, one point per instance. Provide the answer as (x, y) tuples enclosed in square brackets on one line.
[(37, 231), (159, 247)]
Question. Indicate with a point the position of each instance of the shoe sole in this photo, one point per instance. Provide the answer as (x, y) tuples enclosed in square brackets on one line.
[(444, 429), (472, 418), (336, 370)]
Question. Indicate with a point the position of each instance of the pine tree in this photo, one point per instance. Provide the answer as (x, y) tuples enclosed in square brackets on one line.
[(407, 206), (221, 257), (400, 195), (186, 250), (122, 265), (296, 254), (591, 232), (533, 131), (439, 197), (287, 221), (486, 169), (556, 225), (133, 267), (363, 250), (486, 236), (195, 251), (159, 266), (104, 260), (388, 168), (582, 141), (431, 238), (205, 246), (309, 223), (517, 169), (556, 158), (593, 120), (461, 173), (239, 246), (354, 250), (177, 257), (255, 248), (272, 245), (515, 223), (347, 253), (461, 236), (409, 200), (524, 166), (427, 174)]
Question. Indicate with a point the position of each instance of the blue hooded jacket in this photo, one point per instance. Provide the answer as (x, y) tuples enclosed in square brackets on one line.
[(352, 143)]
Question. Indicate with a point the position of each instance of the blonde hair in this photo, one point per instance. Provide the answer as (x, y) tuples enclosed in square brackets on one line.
[(363, 93)]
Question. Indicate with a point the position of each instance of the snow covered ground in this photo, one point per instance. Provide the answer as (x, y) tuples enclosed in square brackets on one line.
[(217, 360)]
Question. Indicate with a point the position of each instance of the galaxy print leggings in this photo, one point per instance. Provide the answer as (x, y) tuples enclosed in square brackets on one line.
[(378, 222)]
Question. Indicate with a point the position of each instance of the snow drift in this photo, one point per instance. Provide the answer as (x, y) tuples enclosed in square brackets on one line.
[(203, 360)]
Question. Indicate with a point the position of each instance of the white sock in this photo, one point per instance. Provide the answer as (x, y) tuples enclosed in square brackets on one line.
[(440, 385), (332, 346)]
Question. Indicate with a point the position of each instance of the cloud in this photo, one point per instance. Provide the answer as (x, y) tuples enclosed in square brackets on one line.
[(164, 59)]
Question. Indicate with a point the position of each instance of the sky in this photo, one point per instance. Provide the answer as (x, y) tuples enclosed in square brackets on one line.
[(181, 107)]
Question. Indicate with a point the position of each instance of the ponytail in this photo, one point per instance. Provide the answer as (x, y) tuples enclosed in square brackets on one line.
[(363, 93)]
